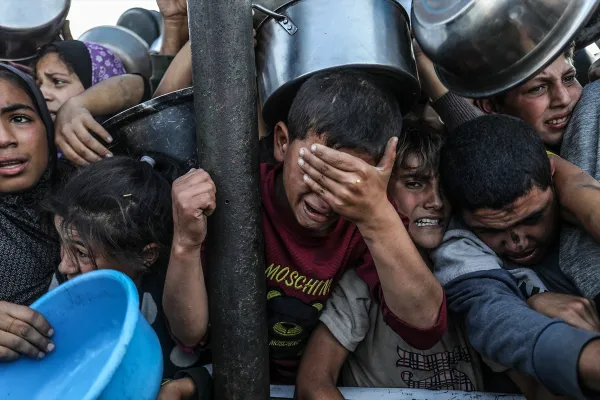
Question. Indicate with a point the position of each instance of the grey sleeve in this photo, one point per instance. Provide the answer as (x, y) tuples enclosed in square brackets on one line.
[(579, 252), (502, 327), (461, 253), (455, 110), (346, 314)]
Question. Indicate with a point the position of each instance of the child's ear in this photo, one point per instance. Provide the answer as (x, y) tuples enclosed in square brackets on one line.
[(487, 106), (150, 254), (281, 141)]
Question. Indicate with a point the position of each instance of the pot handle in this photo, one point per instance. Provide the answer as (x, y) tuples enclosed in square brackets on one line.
[(281, 19), (268, 12)]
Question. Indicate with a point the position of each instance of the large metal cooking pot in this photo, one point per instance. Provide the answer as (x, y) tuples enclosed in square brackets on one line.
[(27, 25), (126, 44), (484, 47), (165, 124), (304, 37)]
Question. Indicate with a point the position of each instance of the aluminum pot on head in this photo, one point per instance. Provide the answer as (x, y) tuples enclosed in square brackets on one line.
[(304, 37), (27, 25), (484, 47), (126, 44), (165, 124)]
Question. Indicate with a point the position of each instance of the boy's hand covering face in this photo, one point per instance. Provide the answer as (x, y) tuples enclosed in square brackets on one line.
[(353, 188)]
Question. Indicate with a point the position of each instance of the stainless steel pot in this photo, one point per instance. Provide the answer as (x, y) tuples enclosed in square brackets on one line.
[(484, 47), (126, 44), (165, 124), (26, 25), (304, 37)]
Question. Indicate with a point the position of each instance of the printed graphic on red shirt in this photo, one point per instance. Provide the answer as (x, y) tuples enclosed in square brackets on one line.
[(290, 324), (443, 365)]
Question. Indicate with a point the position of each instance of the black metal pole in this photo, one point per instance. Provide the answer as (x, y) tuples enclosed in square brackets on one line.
[(226, 130)]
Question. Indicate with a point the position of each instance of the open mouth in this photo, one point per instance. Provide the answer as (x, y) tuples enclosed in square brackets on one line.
[(559, 122), (522, 257), (13, 166), (428, 222), (317, 214)]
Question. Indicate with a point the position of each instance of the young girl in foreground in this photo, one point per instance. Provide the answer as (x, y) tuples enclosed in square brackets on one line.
[(122, 214)]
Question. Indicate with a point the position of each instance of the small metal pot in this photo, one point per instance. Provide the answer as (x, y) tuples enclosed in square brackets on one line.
[(165, 124), (126, 44), (27, 25), (483, 47), (304, 37)]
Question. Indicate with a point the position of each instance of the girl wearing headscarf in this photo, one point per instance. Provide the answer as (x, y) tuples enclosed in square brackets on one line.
[(66, 69), (86, 82), (29, 247)]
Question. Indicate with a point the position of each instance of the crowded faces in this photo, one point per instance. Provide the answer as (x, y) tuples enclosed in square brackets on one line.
[(352, 345), (82, 81), (499, 180), (313, 234), (118, 214)]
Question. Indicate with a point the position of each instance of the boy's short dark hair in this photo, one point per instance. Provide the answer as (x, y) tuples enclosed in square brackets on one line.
[(491, 161), (349, 108), (422, 141)]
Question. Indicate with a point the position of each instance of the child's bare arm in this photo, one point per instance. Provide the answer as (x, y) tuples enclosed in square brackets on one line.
[(320, 367), (358, 192), (185, 301), (578, 194), (179, 73)]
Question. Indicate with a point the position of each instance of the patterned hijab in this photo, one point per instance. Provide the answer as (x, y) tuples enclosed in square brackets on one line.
[(92, 62), (29, 248)]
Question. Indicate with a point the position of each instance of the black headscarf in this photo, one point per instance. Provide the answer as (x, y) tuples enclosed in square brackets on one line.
[(29, 247), (77, 56)]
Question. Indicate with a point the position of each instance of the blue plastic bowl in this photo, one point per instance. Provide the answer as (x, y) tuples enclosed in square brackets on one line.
[(105, 348)]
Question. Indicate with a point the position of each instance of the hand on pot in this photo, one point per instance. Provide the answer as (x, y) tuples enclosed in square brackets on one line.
[(178, 389), (65, 31), (175, 23), (72, 127), (194, 198), (23, 331), (172, 9), (354, 189)]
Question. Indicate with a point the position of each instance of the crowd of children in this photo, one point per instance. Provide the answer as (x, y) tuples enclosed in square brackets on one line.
[(399, 251)]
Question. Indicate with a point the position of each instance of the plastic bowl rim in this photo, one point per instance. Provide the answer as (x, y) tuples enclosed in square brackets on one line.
[(127, 330)]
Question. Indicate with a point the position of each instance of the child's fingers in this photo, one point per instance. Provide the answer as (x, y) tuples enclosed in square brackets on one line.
[(325, 182), (319, 190), (389, 157), (337, 159), (306, 157)]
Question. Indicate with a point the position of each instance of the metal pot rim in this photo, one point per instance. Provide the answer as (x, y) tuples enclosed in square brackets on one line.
[(290, 3), (538, 59), (149, 107)]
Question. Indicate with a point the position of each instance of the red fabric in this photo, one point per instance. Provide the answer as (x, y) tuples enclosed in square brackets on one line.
[(302, 269)]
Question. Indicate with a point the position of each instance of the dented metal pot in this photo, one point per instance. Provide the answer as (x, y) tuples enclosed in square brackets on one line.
[(304, 37)]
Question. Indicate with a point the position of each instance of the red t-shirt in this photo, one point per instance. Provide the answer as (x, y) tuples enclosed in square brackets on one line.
[(301, 270)]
